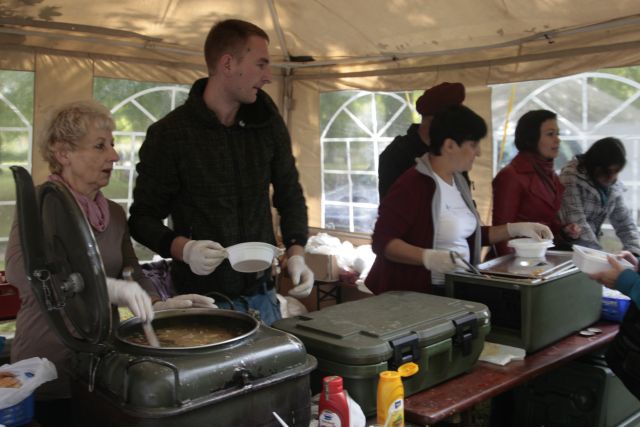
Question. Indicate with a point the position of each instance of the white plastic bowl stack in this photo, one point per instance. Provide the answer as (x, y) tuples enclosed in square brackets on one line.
[(530, 248), (251, 257), (592, 261)]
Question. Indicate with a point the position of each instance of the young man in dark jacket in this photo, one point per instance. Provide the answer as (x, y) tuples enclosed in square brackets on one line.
[(209, 164)]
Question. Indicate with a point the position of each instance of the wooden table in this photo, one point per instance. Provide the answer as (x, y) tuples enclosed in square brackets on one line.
[(487, 380)]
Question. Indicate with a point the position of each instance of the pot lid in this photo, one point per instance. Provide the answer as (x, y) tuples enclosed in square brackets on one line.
[(63, 262)]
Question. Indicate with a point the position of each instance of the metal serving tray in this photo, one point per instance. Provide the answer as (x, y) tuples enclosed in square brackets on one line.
[(553, 265)]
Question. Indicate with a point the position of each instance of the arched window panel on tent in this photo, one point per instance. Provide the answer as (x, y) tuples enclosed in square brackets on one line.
[(134, 106), (590, 106), (16, 135), (356, 127)]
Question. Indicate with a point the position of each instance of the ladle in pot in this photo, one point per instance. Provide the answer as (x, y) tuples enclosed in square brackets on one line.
[(149, 332)]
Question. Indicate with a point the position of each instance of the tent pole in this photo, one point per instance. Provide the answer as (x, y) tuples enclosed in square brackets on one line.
[(278, 29), (287, 84)]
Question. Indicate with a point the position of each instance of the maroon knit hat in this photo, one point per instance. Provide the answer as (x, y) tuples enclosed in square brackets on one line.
[(439, 97)]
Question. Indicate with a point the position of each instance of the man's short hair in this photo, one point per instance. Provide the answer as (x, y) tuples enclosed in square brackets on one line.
[(229, 36), (456, 122), (527, 133)]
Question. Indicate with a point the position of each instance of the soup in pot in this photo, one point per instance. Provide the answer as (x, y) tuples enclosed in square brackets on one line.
[(187, 335)]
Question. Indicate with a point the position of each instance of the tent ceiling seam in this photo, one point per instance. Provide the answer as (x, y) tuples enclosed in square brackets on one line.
[(104, 57), (533, 57), (76, 28), (150, 46), (549, 36)]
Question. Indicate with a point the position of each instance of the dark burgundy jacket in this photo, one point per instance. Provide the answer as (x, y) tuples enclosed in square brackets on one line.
[(407, 213)]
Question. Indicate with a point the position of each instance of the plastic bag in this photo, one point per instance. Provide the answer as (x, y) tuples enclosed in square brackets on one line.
[(31, 373)]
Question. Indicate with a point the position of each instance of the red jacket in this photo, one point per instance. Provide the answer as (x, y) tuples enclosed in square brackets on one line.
[(520, 195), (406, 213)]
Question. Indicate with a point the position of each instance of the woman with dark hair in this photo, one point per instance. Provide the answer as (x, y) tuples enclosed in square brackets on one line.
[(593, 194), (427, 221), (528, 188)]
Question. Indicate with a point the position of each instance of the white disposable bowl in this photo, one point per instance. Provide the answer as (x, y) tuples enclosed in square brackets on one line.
[(592, 261), (530, 248), (251, 257)]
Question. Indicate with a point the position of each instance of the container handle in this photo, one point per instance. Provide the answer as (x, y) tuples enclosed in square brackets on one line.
[(466, 329), (176, 377), (405, 349)]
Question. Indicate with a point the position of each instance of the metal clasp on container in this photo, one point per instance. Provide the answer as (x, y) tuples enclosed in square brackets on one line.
[(466, 329), (405, 349)]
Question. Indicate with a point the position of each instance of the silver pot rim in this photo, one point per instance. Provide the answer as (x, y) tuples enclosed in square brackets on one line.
[(206, 312)]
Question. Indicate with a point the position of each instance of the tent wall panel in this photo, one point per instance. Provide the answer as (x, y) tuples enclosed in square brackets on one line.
[(57, 78)]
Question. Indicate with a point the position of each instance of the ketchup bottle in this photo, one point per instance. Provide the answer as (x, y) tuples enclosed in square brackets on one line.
[(333, 409)]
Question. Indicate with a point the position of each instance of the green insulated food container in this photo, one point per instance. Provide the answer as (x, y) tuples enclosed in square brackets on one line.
[(242, 380), (533, 302), (358, 340)]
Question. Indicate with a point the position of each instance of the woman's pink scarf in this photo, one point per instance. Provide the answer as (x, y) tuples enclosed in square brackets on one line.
[(96, 211)]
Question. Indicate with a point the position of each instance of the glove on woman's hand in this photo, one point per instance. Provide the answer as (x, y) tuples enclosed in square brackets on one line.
[(529, 229), (130, 294), (440, 261), (185, 301)]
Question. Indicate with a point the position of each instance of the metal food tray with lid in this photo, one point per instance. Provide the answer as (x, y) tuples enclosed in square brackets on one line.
[(116, 381), (529, 298)]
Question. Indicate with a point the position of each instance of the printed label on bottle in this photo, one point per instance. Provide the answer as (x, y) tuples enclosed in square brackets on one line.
[(329, 419), (395, 415)]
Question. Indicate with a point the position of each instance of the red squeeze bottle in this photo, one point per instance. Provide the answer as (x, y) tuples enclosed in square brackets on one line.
[(333, 409)]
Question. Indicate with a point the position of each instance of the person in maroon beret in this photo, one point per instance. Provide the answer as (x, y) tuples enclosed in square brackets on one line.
[(401, 154)]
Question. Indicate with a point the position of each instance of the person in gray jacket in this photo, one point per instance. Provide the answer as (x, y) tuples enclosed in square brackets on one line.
[(593, 194)]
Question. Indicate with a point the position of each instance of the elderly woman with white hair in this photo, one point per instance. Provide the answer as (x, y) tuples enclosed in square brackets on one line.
[(79, 148)]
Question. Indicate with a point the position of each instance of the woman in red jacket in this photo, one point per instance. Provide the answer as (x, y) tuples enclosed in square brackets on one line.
[(427, 221), (528, 188)]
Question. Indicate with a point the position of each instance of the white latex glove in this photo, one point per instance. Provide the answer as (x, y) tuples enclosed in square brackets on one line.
[(130, 294), (301, 276), (440, 261), (185, 301), (529, 229), (203, 256)]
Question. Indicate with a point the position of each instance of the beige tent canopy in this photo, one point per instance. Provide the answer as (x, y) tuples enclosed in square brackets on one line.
[(319, 45)]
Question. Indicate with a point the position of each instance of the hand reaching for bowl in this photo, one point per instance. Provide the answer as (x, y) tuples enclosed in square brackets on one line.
[(529, 229), (608, 278), (185, 301), (628, 256), (203, 256)]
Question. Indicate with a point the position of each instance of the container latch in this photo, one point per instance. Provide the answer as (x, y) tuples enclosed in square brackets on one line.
[(466, 330), (405, 349)]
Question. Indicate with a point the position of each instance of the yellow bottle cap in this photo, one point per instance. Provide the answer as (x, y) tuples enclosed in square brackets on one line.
[(408, 369), (389, 375)]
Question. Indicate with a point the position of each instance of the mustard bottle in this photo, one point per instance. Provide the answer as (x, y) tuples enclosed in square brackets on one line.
[(390, 399)]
